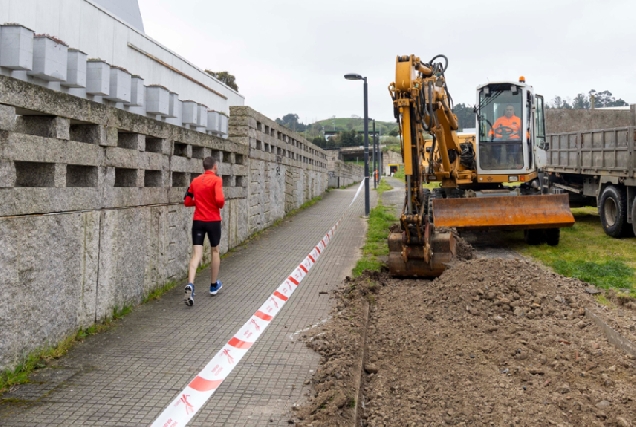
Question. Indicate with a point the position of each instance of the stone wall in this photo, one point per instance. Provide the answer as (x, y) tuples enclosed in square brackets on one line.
[(285, 169), (91, 214), (562, 121)]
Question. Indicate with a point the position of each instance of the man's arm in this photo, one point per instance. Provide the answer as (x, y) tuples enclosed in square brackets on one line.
[(218, 194), (188, 200)]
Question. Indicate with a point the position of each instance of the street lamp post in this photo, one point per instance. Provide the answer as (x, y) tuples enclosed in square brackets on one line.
[(367, 208)]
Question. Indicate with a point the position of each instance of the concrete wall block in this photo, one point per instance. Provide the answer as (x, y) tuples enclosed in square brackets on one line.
[(124, 236), (7, 117), (45, 126), (50, 59), (137, 92), (157, 101), (154, 162), (97, 78), (16, 47), (121, 158), (120, 89), (190, 113), (29, 268), (7, 174), (75, 69)]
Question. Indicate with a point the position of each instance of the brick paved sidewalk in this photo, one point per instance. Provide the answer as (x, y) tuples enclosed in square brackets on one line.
[(128, 375)]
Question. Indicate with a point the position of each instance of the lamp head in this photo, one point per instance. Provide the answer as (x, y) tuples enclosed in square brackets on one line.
[(353, 76)]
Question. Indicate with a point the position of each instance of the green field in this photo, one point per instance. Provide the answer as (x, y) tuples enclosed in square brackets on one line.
[(342, 124), (587, 253)]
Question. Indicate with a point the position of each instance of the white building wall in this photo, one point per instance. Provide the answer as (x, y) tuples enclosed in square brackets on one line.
[(86, 26)]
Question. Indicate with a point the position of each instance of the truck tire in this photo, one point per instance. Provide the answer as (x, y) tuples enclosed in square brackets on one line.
[(533, 237), (552, 236), (612, 208)]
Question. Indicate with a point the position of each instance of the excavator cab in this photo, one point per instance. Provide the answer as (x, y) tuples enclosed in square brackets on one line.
[(505, 129)]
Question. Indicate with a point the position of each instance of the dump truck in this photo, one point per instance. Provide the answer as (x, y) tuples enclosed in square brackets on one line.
[(596, 168), (487, 181)]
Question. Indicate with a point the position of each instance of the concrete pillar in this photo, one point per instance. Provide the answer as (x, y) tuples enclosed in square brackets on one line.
[(76, 70), (59, 175)]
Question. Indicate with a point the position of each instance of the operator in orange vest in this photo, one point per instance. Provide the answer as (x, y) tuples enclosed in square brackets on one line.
[(507, 127)]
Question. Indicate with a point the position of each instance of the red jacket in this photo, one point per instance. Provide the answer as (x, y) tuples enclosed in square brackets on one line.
[(206, 194)]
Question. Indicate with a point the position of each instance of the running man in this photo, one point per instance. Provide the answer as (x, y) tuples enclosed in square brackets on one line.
[(206, 195)]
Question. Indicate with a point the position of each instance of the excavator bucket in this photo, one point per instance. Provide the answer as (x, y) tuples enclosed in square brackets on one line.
[(409, 261), (505, 212)]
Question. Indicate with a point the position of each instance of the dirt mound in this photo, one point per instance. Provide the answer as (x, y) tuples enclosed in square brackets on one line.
[(490, 342)]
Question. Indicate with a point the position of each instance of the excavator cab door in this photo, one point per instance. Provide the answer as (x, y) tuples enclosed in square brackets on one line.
[(502, 119), (540, 145)]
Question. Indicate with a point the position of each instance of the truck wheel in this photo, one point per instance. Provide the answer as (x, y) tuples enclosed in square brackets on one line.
[(533, 237), (612, 208), (552, 236)]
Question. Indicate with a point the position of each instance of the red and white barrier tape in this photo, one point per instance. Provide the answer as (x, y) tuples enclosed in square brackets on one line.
[(202, 387)]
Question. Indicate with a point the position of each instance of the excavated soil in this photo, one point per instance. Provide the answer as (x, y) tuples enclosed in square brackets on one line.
[(491, 342)]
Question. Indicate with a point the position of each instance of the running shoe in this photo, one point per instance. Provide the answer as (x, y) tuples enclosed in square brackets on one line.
[(189, 294), (215, 287)]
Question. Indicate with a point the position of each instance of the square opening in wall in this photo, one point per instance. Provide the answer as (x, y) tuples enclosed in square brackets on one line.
[(35, 174), (179, 179), (154, 145), (239, 181), (197, 152), (125, 177), (180, 149), (259, 145), (88, 134), (194, 175), (129, 141), (238, 159), (81, 176), (258, 126), (227, 180), (267, 148), (152, 179)]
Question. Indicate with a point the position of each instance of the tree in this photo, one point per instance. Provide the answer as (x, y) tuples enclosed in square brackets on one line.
[(465, 116), (291, 121), (581, 102), (394, 132), (606, 99), (225, 78)]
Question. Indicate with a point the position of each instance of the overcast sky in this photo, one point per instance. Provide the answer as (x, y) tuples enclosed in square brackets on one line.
[(290, 56)]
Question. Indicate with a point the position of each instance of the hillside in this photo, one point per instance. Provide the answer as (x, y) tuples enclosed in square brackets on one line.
[(343, 124)]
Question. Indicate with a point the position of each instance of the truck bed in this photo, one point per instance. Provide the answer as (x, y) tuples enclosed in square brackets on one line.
[(595, 152)]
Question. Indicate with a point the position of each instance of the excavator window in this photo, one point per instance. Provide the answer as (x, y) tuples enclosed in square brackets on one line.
[(500, 128)]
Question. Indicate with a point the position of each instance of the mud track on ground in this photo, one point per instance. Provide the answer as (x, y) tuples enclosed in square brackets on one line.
[(491, 342)]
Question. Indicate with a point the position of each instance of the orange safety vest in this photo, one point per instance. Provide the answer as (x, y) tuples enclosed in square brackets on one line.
[(513, 123)]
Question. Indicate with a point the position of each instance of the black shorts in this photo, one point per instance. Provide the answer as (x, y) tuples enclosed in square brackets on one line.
[(200, 228)]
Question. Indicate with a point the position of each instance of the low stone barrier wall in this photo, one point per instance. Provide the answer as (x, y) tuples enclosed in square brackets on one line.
[(91, 214)]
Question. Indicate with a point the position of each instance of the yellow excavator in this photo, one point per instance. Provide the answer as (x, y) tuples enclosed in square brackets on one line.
[(488, 180)]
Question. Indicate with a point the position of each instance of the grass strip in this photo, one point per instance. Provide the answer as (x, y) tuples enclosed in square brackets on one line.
[(380, 219), (587, 253)]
